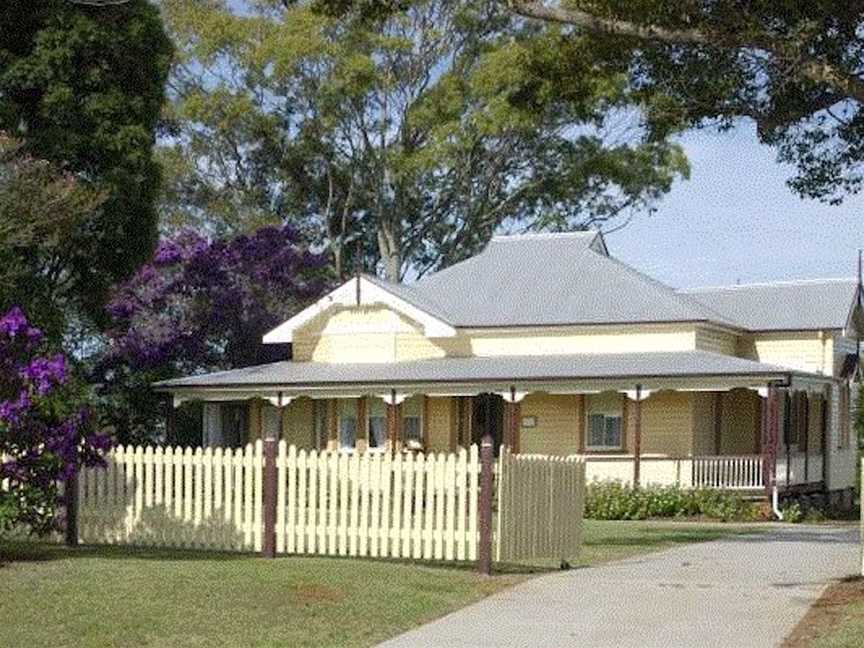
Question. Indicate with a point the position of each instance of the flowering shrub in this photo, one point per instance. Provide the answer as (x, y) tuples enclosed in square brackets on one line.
[(201, 305), (45, 427), (616, 501)]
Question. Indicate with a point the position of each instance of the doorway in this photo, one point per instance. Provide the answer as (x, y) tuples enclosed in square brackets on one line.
[(487, 415)]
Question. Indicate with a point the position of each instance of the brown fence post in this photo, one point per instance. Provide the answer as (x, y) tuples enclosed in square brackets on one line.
[(70, 500), (487, 459), (271, 443)]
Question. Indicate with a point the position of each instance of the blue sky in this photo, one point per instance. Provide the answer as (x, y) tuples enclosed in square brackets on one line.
[(736, 220)]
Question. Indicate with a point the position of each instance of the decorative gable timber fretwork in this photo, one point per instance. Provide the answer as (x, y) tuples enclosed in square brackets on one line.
[(358, 292)]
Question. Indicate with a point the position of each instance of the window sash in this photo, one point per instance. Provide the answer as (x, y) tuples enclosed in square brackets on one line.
[(604, 432), (347, 431), (412, 429)]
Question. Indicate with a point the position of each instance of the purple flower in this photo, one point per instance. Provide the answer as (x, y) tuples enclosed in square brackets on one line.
[(45, 373)]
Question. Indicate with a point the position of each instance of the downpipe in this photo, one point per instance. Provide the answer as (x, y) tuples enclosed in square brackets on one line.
[(775, 503)]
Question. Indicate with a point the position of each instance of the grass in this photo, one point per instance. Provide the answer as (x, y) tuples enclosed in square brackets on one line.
[(117, 596), (836, 620)]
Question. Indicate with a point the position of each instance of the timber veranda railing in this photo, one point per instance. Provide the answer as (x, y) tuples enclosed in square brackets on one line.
[(371, 504)]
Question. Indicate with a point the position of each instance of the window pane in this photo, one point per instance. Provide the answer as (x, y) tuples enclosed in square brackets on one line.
[(411, 429), (377, 431), (613, 431), (595, 430), (347, 431)]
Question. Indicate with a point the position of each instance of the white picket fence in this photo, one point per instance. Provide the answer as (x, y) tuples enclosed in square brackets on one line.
[(540, 507), (377, 504), (383, 505), (170, 497)]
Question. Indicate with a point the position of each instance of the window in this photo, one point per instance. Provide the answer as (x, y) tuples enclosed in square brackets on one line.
[(412, 423), (377, 424), (322, 432), (604, 431), (347, 423)]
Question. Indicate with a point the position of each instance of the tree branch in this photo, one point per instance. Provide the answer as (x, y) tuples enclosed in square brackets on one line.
[(816, 70)]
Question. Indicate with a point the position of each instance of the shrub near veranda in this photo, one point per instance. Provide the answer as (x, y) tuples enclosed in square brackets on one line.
[(46, 431), (616, 501)]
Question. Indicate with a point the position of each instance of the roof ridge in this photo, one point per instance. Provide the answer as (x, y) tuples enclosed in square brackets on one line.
[(504, 238), (417, 298), (690, 301), (762, 284)]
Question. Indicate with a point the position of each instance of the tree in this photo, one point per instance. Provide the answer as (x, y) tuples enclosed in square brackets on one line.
[(46, 431), (406, 138), (82, 88), (796, 68), (41, 208), (200, 305)]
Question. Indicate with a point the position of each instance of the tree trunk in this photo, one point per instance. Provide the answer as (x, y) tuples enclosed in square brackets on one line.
[(388, 248)]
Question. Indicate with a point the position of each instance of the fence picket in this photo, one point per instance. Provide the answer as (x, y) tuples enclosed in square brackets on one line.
[(344, 492), (281, 472)]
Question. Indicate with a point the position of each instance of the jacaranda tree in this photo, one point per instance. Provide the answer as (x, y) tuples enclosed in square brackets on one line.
[(46, 427), (201, 305)]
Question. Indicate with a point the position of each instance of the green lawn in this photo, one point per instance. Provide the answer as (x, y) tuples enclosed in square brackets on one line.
[(114, 596), (836, 620)]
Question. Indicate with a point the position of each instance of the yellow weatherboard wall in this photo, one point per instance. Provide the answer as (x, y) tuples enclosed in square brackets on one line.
[(667, 423), (556, 432), (810, 351)]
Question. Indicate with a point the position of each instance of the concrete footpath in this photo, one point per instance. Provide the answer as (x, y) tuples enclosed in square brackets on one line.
[(736, 592)]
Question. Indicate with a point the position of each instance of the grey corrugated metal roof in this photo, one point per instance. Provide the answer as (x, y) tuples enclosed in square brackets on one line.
[(485, 369), (409, 293), (791, 305), (554, 279)]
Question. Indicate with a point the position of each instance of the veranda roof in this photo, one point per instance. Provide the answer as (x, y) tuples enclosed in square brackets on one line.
[(500, 369)]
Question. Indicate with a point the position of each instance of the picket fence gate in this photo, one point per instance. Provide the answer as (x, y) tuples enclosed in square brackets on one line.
[(540, 501), (377, 504), (384, 505)]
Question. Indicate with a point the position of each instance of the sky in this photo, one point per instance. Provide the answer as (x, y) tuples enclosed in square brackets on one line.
[(736, 221)]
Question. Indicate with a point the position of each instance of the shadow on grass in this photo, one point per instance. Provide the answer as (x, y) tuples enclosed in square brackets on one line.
[(664, 537), (36, 551), (23, 551)]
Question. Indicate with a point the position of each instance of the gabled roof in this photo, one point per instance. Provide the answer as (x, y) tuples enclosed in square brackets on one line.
[(367, 290), (555, 279), (784, 306), (681, 364)]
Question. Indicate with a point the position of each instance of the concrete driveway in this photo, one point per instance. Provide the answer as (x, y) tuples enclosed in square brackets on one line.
[(731, 593)]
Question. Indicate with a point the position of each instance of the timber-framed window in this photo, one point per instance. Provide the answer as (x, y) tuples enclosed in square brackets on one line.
[(604, 422)]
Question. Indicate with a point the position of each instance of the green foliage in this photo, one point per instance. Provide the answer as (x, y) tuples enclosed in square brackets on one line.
[(792, 512), (795, 68), (82, 88), (616, 501), (407, 135), (41, 208)]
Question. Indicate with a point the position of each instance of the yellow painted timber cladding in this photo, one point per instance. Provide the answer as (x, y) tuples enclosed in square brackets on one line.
[(666, 423), (811, 351), (556, 430), (379, 334), (440, 424)]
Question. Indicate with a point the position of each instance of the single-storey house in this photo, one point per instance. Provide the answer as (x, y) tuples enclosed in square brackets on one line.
[(553, 346)]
